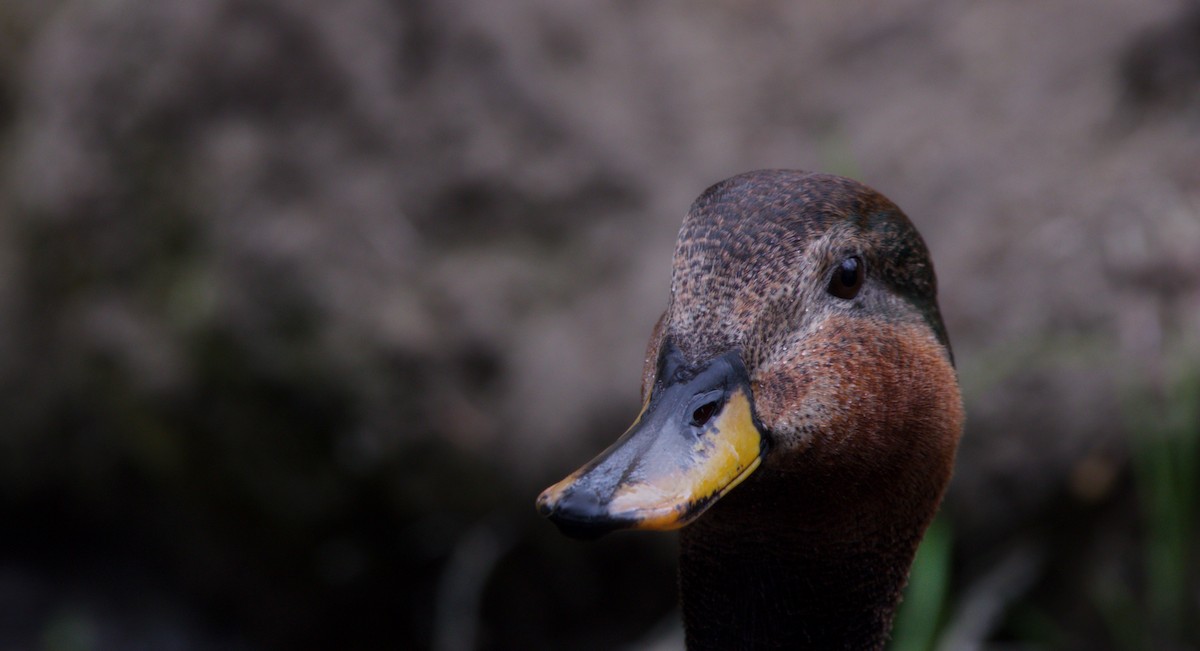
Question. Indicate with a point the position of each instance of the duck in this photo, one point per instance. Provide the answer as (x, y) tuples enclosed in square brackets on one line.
[(800, 416)]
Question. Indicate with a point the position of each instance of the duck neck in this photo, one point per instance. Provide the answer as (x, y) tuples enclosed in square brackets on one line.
[(820, 569)]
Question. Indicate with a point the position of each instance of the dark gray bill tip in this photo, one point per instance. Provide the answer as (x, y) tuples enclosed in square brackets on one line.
[(582, 515)]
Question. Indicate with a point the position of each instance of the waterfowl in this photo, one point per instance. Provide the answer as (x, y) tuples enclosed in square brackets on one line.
[(800, 416)]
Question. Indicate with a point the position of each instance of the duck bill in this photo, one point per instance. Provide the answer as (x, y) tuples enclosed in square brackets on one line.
[(695, 440)]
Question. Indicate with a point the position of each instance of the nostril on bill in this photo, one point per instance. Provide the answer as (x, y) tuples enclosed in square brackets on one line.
[(704, 413)]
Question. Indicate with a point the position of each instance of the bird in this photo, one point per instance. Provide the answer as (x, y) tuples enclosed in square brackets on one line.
[(800, 416)]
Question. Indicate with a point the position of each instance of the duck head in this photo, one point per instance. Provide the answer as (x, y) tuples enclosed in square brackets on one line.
[(801, 346)]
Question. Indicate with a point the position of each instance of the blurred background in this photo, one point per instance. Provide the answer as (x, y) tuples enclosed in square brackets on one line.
[(302, 304)]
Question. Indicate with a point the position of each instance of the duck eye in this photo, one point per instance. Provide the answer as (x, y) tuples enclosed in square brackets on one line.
[(847, 278), (704, 413)]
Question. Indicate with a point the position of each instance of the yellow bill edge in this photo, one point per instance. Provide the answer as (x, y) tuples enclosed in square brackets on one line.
[(660, 475), (720, 459)]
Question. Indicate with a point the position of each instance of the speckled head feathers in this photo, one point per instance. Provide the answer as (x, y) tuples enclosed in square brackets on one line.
[(753, 249)]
